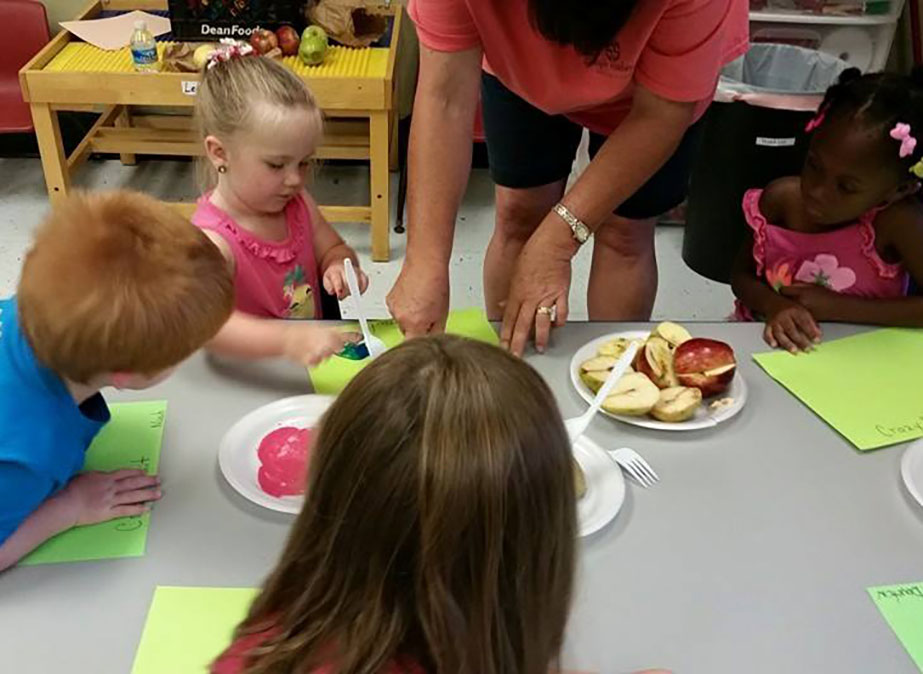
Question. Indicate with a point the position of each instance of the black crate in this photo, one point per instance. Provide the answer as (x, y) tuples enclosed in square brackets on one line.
[(211, 20)]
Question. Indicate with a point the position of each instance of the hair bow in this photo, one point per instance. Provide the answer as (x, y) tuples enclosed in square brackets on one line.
[(901, 132), (228, 49), (816, 122)]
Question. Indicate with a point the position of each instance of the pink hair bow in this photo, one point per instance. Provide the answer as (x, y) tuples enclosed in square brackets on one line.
[(901, 132), (816, 122), (227, 50)]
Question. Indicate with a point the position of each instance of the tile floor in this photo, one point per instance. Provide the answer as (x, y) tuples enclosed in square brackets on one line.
[(683, 295)]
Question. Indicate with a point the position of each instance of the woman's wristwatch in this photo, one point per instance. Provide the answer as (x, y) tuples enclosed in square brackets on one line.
[(577, 226)]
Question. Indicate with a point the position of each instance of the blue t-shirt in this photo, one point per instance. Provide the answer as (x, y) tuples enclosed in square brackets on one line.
[(44, 434)]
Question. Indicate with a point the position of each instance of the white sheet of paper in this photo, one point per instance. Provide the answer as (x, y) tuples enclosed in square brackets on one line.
[(115, 32)]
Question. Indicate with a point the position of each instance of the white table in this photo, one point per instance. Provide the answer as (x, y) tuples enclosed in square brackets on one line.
[(751, 556)]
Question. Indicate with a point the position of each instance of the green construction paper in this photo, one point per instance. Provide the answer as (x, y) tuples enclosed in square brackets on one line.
[(131, 439), (902, 608), (188, 627), (867, 387), (332, 376)]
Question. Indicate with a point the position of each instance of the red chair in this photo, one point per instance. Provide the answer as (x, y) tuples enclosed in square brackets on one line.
[(23, 32)]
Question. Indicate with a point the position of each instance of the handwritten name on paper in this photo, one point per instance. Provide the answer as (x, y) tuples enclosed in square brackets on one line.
[(900, 593), (910, 428)]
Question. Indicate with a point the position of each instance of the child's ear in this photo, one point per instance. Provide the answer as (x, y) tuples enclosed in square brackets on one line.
[(215, 151)]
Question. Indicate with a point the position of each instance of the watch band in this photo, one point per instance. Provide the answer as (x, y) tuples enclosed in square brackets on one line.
[(577, 226)]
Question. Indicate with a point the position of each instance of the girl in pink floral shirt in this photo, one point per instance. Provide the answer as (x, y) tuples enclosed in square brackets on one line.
[(842, 241)]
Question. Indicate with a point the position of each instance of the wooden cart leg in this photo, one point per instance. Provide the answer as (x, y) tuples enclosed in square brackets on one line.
[(51, 148), (124, 120), (379, 135), (393, 160)]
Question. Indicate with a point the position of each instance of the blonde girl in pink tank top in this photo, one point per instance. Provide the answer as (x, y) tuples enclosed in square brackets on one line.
[(260, 127), (842, 241)]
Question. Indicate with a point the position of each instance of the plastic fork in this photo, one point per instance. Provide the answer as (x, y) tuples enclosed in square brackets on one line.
[(633, 464), (375, 346), (576, 426)]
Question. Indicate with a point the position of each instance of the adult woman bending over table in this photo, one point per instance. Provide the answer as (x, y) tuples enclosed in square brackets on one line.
[(637, 73)]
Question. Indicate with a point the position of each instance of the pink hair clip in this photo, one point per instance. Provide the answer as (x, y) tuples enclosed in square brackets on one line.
[(228, 49), (901, 132), (817, 121)]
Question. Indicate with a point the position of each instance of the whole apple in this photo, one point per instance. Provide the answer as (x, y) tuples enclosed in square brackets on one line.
[(263, 41), (705, 364), (288, 40), (313, 45)]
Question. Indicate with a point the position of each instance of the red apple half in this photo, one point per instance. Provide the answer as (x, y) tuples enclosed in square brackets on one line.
[(263, 41), (656, 361), (705, 364)]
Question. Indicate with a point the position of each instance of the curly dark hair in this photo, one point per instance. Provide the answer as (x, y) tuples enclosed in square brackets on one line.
[(589, 26), (879, 101)]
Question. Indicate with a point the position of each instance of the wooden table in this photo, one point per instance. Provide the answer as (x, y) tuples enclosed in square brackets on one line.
[(355, 88)]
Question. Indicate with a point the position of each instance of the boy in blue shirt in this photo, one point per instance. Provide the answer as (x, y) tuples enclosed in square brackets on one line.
[(117, 290)]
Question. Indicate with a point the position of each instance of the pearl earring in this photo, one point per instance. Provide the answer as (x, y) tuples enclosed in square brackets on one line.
[(222, 169)]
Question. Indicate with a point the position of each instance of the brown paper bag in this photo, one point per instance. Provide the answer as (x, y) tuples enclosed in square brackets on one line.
[(350, 22)]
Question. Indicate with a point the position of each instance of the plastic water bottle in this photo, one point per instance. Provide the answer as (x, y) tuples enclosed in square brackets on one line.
[(143, 49)]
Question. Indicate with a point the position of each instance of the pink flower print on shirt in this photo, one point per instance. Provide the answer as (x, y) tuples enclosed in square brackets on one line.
[(825, 270), (779, 276)]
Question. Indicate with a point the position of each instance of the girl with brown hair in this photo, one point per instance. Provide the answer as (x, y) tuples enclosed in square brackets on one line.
[(438, 531)]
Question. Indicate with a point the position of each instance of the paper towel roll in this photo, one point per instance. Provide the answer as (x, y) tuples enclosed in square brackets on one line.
[(853, 45)]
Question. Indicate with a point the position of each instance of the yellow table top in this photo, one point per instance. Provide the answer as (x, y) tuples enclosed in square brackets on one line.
[(370, 62)]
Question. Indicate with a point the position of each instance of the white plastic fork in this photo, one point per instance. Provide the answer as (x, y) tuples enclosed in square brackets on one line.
[(635, 465), (375, 346), (576, 426)]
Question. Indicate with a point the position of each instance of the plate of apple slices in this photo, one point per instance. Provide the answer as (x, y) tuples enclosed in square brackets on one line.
[(677, 382)]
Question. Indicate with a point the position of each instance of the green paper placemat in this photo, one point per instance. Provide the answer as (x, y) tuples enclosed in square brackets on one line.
[(902, 608), (867, 387), (188, 627), (131, 439), (332, 376)]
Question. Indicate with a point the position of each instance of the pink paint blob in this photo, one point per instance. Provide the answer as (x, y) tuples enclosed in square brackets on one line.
[(283, 455)]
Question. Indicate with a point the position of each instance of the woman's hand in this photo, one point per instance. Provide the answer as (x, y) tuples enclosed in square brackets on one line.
[(335, 279), (792, 327), (539, 287), (419, 300)]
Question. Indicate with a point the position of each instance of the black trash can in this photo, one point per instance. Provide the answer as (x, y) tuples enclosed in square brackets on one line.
[(753, 133)]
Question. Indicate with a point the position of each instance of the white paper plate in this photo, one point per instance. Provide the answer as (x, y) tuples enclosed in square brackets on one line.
[(704, 417), (605, 486), (237, 453), (912, 470)]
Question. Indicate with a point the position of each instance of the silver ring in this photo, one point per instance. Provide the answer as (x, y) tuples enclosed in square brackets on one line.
[(551, 312)]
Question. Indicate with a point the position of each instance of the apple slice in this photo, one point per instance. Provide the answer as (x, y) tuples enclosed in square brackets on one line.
[(579, 480), (656, 361), (674, 333), (634, 395), (677, 403), (705, 364), (615, 347), (599, 364)]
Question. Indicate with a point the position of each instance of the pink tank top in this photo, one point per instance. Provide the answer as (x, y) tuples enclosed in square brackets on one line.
[(844, 260), (271, 279)]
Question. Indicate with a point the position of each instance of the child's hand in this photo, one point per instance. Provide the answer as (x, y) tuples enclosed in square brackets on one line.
[(309, 344), (335, 279), (816, 299), (792, 327), (97, 497)]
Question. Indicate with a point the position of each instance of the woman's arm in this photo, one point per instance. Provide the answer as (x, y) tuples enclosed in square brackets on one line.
[(439, 162), (630, 156)]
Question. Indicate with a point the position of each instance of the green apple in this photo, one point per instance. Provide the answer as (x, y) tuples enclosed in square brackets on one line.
[(313, 46)]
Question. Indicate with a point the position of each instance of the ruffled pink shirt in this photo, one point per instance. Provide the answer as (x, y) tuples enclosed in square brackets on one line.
[(844, 260), (272, 279)]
